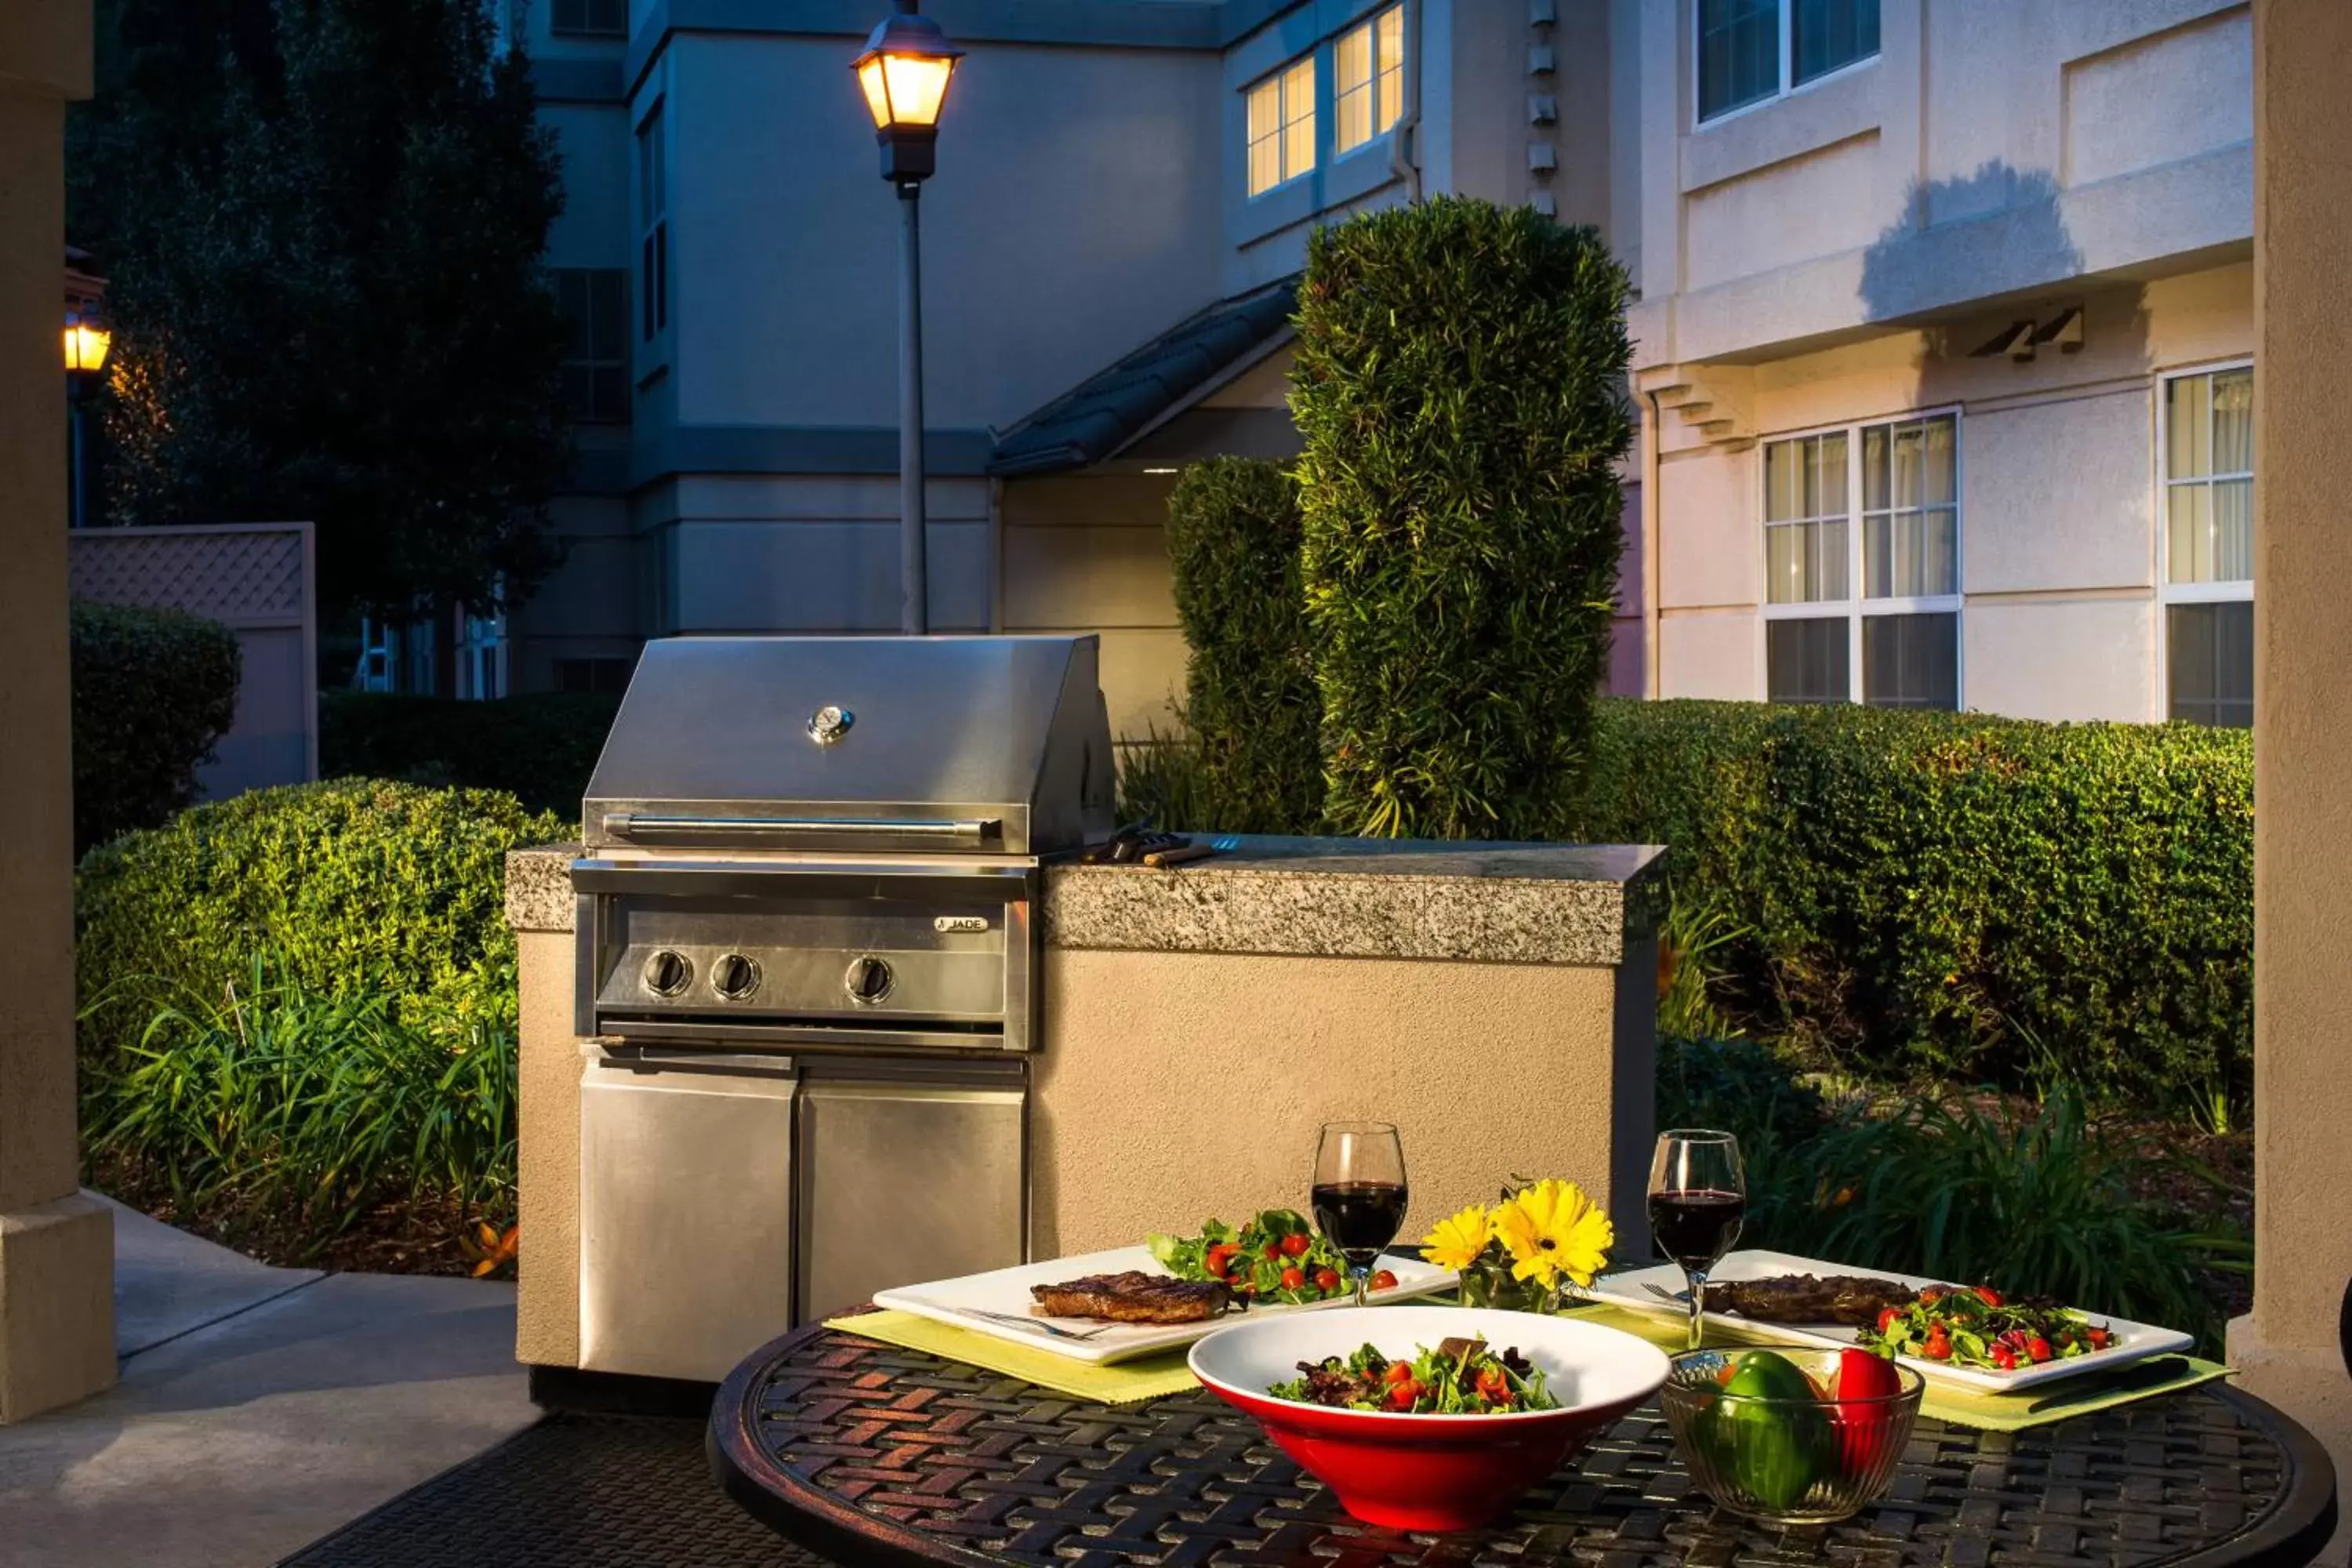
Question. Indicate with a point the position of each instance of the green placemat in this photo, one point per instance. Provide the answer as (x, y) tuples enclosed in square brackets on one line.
[(2039, 1407), (1127, 1382)]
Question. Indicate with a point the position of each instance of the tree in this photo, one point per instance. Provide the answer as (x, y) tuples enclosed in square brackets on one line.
[(322, 236), (1459, 387)]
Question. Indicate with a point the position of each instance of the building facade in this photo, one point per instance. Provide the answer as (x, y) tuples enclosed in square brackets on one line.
[(1123, 200), (1945, 345), (1942, 343)]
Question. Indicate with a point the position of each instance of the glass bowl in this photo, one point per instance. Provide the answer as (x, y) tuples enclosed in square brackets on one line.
[(1787, 1460)]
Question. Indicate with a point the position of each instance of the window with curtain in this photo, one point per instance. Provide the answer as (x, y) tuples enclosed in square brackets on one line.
[(1862, 565), (1281, 113), (1368, 86), (1752, 50), (2209, 545), (653, 218)]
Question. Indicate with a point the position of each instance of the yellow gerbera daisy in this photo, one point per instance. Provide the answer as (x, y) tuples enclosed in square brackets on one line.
[(1550, 1229), (1457, 1242)]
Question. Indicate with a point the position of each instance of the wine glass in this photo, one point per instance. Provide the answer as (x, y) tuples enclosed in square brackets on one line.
[(1360, 1193), (1698, 1195)]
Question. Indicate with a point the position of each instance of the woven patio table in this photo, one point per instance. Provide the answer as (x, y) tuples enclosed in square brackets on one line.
[(872, 1455)]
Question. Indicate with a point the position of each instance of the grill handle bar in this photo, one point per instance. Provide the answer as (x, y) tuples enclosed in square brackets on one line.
[(625, 824)]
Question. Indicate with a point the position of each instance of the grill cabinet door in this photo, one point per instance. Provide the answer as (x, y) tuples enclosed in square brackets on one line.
[(905, 1182), (686, 1221)]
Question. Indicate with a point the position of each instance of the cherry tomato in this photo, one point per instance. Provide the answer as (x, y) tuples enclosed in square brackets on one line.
[(1494, 1385), (1219, 1256), (1274, 1248), (1398, 1372), (1293, 1279), (1936, 1350), (1932, 1294), (1295, 1245), (2003, 1357), (1887, 1316), (2038, 1348), (1989, 1296), (1383, 1281), (2101, 1339), (1326, 1281), (1403, 1395)]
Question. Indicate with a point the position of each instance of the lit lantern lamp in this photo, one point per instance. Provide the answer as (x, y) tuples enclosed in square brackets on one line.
[(904, 72), (86, 346)]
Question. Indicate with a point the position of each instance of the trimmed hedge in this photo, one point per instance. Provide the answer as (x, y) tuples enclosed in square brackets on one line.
[(355, 885), (1459, 390), (539, 748), (1962, 895), (1251, 706), (153, 690)]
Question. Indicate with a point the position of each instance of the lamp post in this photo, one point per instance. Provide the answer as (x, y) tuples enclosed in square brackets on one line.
[(86, 346), (904, 72)]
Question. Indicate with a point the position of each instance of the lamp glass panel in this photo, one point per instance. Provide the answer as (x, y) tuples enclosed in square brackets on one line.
[(919, 85), (877, 92)]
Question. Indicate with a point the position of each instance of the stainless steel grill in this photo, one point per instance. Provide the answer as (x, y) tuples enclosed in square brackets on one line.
[(807, 966)]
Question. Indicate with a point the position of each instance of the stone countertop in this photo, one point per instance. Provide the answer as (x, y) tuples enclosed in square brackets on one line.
[(1340, 897)]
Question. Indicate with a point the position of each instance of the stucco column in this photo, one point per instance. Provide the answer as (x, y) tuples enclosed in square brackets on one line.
[(2287, 1347), (57, 1249)]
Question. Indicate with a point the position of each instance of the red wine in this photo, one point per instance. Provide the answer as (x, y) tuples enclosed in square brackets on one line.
[(1695, 1228), (1359, 1217)]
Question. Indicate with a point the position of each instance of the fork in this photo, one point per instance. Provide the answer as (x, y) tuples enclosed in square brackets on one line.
[(1679, 1297), (1019, 1321)]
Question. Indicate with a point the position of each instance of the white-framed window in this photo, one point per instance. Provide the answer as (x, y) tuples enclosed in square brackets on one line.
[(595, 305), (1281, 125), (1368, 85), (1861, 565), (2205, 439), (1751, 51), (653, 225)]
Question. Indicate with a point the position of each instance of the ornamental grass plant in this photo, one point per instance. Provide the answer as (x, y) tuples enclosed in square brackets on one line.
[(1458, 387), (273, 1108)]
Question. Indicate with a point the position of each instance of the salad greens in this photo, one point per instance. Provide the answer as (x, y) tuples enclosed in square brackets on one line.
[(1460, 1377), (1275, 1256), (1982, 1328)]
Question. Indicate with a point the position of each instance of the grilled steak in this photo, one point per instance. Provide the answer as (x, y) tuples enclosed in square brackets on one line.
[(1853, 1300), (1133, 1298)]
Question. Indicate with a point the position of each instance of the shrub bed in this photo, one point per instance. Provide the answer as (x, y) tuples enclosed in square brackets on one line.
[(358, 887), (539, 748), (152, 691), (1969, 897)]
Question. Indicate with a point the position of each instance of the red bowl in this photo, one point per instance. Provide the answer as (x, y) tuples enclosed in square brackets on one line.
[(1428, 1473)]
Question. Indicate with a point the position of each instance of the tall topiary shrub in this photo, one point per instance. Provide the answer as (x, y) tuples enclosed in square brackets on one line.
[(152, 691), (1459, 384), (1250, 700)]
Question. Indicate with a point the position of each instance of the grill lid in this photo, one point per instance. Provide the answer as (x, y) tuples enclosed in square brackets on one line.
[(981, 744)]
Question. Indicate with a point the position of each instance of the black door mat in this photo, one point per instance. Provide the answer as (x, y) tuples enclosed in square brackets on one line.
[(573, 1491)]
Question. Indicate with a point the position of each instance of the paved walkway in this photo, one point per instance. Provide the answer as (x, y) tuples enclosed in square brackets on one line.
[(258, 1408)]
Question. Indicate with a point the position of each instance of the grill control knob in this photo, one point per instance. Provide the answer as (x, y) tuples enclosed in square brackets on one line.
[(868, 981), (734, 977), (667, 973)]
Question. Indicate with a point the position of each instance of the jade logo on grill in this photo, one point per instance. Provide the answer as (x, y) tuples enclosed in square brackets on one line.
[(960, 922)]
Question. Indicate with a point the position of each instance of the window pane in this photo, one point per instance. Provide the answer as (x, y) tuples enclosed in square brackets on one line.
[(1739, 53), (1828, 34), (1352, 59), (2233, 422), (1805, 562), (1911, 661), (1265, 102), (2211, 651), (1911, 554), (1391, 65), (2187, 434), (2233, 531), (1806, 661), (1298, 118), (1265, 164), (1355, 116)]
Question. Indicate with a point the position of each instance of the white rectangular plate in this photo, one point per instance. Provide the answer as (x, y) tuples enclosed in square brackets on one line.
[(1006, 1290), (2132, 1342)]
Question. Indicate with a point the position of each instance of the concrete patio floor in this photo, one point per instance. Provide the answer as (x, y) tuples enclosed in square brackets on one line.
[(259, 1408)]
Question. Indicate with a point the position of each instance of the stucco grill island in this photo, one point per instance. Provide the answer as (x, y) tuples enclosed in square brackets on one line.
[(827, 1002)]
